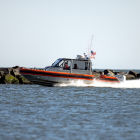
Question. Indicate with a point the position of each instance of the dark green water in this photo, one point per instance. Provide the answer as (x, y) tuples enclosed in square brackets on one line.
[(29, 112)]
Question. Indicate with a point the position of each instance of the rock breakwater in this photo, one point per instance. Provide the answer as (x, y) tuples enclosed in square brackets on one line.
[(12, 76)]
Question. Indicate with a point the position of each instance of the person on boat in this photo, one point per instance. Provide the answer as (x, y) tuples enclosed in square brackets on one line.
[(75, 66), (66, 65)]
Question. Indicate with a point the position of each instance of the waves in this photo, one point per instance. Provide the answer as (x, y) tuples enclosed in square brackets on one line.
[(126, 84)]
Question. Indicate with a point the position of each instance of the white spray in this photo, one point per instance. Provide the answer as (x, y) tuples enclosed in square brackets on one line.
[(126, 84)]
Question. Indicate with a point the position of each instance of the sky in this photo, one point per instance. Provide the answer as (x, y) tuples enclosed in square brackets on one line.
[(34, 33)]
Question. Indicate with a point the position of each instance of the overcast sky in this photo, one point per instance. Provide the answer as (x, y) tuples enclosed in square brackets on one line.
[(34, 33)]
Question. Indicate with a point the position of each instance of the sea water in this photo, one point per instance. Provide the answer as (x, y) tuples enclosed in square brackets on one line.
[(74, 111)]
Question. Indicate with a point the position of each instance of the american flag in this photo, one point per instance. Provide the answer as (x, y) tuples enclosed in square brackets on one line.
[(92, 54)]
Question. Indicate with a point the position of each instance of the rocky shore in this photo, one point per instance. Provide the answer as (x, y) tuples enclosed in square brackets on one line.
[(12, 75)]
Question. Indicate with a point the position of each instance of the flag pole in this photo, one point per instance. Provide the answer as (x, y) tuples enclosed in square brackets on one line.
[(89, 51)]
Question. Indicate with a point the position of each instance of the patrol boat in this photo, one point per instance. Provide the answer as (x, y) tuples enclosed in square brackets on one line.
[(63, 70)]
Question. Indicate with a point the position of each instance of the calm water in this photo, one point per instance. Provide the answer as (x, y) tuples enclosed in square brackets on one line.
[(73, 112)]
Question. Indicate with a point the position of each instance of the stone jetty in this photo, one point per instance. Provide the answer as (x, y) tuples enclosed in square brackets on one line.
[(12, 75)]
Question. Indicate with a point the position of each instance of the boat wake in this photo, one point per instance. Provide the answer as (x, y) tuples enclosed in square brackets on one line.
[(126, 84)]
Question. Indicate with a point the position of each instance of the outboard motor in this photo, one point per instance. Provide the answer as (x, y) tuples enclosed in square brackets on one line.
[(121, 78), (108, 74)]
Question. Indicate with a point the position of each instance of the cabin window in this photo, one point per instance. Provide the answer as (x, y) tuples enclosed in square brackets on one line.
[(81, 65), (66, 65), (63, 63), (87, 65), (56, 62), (78, 65)]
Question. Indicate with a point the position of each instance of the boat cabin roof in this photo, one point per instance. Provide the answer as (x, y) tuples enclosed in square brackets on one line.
[(68, 59), (75, 59)]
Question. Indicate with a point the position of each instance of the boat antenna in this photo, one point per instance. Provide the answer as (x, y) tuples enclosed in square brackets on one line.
[(91, 43), (89, 48), (88, 51)]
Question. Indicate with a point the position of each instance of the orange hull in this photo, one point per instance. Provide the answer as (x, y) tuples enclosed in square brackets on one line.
[(56, 74)]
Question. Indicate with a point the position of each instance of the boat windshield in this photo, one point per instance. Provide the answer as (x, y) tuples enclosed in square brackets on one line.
[(56, 62)]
